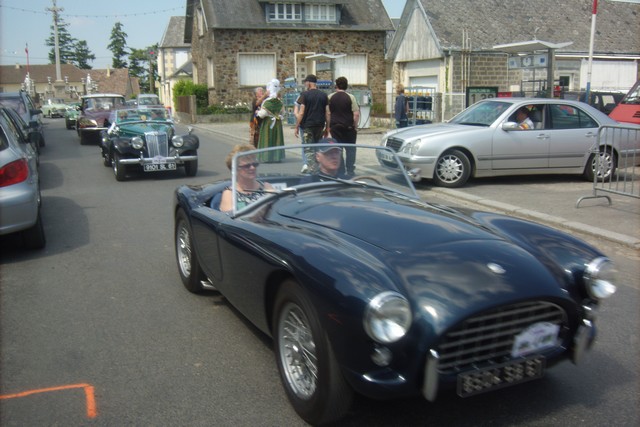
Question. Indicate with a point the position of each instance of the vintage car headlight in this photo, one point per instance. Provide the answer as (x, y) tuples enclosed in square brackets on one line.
[(599, 278), (387, 317), (177, 141), (137, 142)]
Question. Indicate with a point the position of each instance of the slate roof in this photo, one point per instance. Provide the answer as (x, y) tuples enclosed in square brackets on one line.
[(112, 80), (495, 22), (357, 15), (173, 36)]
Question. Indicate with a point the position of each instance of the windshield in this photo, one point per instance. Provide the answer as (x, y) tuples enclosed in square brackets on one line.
[(481, 114), (103, 103), (259, 174), (633, 97), (129, 115)]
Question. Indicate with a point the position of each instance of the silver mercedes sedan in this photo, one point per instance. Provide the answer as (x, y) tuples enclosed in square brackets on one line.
[(489, 139)]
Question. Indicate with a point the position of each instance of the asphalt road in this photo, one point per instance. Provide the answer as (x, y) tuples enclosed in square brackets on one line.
[(97, 329)]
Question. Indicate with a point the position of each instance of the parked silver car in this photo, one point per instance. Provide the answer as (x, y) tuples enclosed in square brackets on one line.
[(486, 140), (20, 198)]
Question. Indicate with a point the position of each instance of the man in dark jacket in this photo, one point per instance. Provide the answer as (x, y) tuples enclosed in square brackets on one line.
[(343, 120), (313, 118)]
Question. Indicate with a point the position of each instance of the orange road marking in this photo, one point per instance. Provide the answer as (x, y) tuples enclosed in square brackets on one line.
[(88, 392)]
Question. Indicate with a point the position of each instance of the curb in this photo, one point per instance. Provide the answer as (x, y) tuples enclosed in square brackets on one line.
[(556, 221)]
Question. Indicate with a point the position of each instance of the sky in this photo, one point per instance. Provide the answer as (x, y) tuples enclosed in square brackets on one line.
[(29, 23)]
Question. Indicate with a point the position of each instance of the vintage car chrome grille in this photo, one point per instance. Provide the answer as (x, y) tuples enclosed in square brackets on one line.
[(394, 144), (489, 337), (157, 144)]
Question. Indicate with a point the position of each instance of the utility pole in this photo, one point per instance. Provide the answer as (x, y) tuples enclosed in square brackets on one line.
[(54, 10)]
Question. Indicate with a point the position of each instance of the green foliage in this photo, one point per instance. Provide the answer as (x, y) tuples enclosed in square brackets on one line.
[(378, 109), (118, 46), (241, 107), (188, 88)]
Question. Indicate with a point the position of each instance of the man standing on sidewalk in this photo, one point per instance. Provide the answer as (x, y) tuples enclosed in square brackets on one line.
[(343, 122), (313, 118)]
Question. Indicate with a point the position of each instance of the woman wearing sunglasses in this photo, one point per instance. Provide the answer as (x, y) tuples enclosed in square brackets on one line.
[(248, 188)]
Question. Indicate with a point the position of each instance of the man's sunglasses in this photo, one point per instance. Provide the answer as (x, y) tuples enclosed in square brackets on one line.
[(248, 165)]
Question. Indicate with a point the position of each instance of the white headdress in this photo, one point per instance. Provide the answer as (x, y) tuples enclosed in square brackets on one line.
[(273, 87)]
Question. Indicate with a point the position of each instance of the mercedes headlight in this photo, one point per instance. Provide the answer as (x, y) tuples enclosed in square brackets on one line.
[(387, 317), (416, 147), (599, 278), (177, 141), (137, 142)]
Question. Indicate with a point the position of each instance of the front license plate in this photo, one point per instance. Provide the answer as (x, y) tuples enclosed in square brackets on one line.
[(160, 167), (385, 156), (499, 376)]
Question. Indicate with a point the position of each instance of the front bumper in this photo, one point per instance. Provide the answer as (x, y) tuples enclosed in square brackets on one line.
[(177, 159), (422, 166)]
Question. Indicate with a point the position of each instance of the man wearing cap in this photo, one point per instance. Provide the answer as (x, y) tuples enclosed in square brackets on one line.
[(329, 162), (313, 118)]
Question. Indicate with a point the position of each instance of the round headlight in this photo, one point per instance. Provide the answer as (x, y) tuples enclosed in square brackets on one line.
[(177, 141), (599, 278), (406, 148), (387, 317), (137, 143)]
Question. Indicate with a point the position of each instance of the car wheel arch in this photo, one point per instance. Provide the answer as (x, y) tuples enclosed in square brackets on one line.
[(463, 150)]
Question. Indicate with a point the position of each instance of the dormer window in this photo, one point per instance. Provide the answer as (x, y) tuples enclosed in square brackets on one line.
[(285, 12), (310, 11), (320, 13)]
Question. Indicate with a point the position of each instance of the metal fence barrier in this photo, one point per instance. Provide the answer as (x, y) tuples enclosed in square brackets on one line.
[(625, 141)]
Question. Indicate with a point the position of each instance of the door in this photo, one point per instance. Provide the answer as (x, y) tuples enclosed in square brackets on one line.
[(573, 133)]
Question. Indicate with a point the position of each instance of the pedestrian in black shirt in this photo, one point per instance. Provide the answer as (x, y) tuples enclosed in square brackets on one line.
[(313, 118), (343, 121)]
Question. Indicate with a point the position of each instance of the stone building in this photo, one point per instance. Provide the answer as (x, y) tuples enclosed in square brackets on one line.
[(447, 46), (239, 45)]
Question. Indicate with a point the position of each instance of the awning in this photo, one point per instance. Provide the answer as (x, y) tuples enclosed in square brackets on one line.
[(530, 46)]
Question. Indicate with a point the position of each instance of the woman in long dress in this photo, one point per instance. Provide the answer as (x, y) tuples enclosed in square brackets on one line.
[(271, 133)]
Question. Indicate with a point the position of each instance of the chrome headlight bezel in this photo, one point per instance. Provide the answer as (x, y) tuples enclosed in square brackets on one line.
[(137, 142), (387, 317), (599, 278), (177, 141)]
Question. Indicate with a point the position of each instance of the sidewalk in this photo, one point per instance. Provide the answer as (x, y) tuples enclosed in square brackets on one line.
[(541, 200)]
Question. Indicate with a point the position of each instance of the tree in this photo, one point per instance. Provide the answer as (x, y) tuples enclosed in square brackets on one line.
[(83, 54), (118, 46), (142, 65), (72, 50), (66, 44)]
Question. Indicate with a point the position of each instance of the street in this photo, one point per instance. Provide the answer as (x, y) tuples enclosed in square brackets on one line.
[(97, 329)]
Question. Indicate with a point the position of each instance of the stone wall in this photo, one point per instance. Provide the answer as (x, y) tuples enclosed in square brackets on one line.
[(224, 45)]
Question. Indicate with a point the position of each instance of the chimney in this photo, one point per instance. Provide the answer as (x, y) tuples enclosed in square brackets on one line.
[(108, 71), (18, 66)]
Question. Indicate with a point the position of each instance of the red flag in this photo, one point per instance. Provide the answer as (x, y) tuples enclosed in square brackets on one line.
[(26, 49)]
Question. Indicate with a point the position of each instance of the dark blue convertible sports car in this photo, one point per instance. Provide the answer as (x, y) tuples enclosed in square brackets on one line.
[(366, 288)]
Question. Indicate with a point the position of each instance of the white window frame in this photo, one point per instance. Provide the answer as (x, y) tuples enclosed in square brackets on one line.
[(285, 11), (320, 13), (211, 73), (256, 69), (355, 67)]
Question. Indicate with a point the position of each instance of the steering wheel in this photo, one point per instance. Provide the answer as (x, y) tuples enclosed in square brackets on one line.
[(366, 178)]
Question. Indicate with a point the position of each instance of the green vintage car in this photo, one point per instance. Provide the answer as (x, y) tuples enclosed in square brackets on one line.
[(71, 115)]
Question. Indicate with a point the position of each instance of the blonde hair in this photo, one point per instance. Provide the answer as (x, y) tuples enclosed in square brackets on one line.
[(240, 148)]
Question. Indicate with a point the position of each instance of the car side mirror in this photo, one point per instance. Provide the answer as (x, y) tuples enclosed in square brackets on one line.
[(509, 126), (35, 112), (33, 124)]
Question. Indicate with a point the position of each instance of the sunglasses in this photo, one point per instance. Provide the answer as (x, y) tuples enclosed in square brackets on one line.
[(248, 165)]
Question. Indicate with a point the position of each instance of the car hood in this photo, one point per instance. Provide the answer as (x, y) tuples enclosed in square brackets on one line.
[(415, 132), (448, 263)]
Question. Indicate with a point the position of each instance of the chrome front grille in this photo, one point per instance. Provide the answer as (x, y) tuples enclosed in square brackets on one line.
[(157, 144), (394, 144), (489, 337)]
